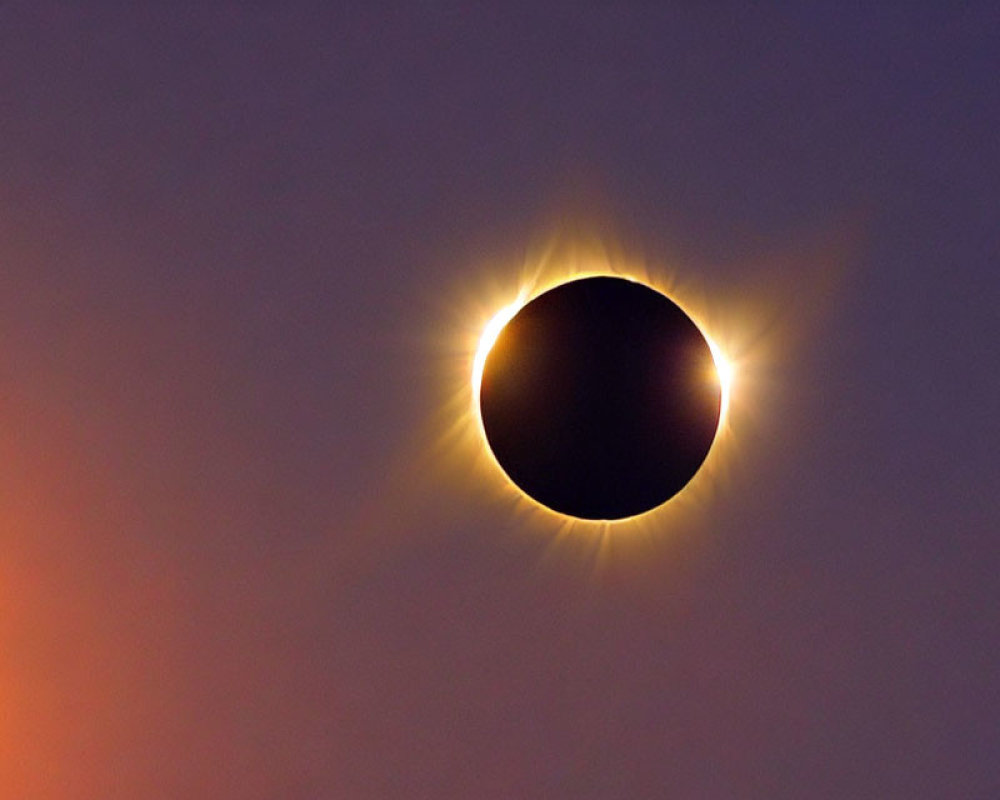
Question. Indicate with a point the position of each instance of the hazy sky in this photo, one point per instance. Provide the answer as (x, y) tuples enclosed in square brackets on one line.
[(238, 246)]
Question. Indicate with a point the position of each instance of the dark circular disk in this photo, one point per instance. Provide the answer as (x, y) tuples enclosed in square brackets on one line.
[(600, 398)]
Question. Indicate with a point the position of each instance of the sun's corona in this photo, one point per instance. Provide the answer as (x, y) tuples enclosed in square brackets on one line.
[(722, 375), (462, 429)]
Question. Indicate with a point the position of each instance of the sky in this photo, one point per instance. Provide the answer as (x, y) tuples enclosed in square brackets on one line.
[(242, 248)]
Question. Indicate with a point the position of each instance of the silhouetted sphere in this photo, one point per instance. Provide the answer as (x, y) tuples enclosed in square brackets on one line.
[(600, 398)]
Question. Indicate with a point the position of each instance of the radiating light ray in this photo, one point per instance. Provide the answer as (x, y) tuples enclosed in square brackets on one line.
[(461, 433)]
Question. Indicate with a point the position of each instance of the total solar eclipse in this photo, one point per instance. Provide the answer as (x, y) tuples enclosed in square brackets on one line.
[(600, 398)]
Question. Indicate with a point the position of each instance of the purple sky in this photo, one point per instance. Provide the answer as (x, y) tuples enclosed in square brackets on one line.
[(232, 240)]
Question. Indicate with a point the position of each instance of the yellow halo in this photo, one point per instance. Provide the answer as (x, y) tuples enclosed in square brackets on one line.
[(540, 278)]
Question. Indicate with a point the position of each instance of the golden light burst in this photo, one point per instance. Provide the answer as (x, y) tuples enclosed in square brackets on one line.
[(461, 437)]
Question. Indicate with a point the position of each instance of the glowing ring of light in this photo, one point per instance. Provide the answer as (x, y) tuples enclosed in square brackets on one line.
[(724, 369)]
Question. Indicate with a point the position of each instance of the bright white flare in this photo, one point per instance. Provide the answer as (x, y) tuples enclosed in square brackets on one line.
[(487, 340), (724, 371)]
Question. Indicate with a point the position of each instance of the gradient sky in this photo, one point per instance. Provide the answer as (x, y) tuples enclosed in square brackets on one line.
[(234, 243)]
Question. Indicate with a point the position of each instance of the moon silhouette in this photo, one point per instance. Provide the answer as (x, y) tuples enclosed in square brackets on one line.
[(600, 398)]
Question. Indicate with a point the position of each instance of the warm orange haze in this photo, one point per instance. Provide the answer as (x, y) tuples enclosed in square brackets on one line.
[(271, 278)]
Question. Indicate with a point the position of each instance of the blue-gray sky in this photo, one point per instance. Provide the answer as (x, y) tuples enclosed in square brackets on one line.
[(232, 239)]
